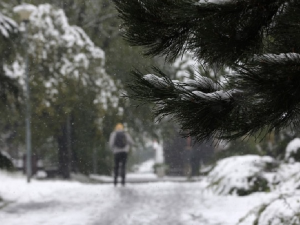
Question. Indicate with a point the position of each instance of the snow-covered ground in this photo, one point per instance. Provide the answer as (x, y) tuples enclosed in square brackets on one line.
[(73, 203)]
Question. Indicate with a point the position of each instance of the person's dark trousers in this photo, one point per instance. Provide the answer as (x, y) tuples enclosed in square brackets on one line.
[(120, 166)]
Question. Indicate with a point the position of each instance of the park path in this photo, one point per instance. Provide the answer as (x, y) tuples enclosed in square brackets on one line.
[(166, 203), (158, 205)]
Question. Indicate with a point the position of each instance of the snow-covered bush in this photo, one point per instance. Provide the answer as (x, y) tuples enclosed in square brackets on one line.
[(292, 152), (285, 208), (282, 210), (287, 177), (241, 175)]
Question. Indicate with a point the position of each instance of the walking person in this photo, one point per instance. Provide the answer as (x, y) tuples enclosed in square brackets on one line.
[(119, 142)]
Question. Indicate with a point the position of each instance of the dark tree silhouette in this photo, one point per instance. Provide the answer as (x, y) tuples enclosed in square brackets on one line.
[(259, 40)]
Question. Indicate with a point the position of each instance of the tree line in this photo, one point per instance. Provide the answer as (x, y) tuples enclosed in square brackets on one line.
[(78, 65)]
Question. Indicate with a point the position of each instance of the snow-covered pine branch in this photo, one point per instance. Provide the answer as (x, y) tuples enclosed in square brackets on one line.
[(258, 41)]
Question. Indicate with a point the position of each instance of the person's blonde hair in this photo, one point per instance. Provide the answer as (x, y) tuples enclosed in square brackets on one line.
[(119, 126)]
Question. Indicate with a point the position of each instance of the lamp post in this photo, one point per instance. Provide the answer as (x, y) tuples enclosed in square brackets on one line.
[(24, 11)]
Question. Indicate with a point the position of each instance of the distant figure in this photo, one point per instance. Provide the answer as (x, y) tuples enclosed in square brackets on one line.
[(159, 159), (119, 142), (159, 154)]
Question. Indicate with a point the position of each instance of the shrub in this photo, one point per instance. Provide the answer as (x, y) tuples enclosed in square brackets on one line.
[(5, 162), (279, 211), (241, 175), (292, 152)]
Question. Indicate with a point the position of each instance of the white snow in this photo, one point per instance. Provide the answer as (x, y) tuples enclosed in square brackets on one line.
[(73, 203), (282, 211), (5, 154), (201, 82), (193, 86), (155, 80), (278, 57), (214, 1), (292, 147), (24, 7), (232, 173), (287, 177), (222, 95), (79, 59), (147, 199), (146, 167), (7, 26), (185, 65)]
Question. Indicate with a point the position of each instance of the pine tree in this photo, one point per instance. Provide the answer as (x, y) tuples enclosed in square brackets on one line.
[(258, 40)]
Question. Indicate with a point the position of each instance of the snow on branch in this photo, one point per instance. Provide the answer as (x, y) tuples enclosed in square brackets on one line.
[(202, 87), (7, 26), (221, 95), (214, 1), (278, 57), (24, 7), (155, 80)]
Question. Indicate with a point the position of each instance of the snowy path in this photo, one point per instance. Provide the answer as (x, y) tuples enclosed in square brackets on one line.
[(72, 203), (139, 206)]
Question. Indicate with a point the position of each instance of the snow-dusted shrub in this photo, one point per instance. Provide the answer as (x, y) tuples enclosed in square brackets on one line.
[(206, 169), (283, 210), (241, 175), (287, 177), (64, 60), (292, 152)]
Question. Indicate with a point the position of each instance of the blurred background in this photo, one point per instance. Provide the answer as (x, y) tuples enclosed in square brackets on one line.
[(77, 66)]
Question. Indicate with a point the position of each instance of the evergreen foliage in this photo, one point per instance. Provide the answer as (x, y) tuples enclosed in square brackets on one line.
[(99, 19), (242, 175), (257, 40), (62, 87), (70, 90), (5, 163), (9, 34)]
